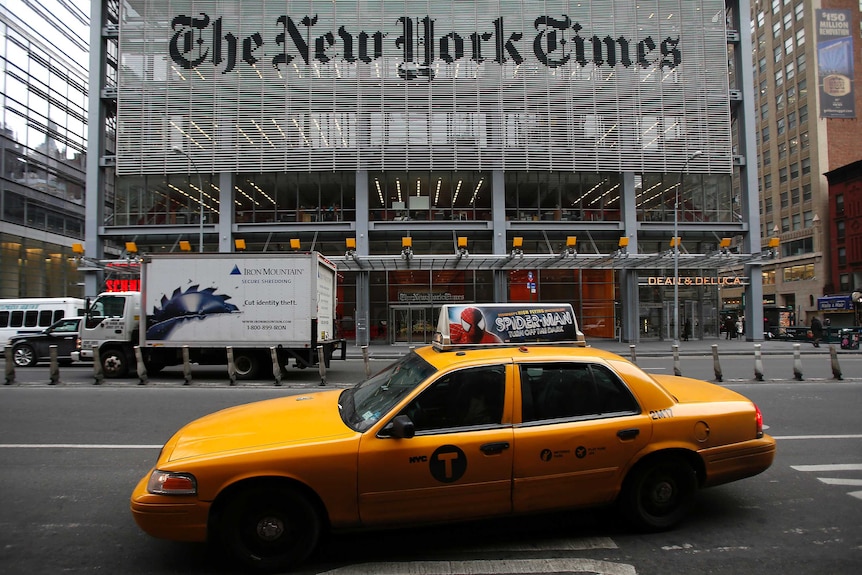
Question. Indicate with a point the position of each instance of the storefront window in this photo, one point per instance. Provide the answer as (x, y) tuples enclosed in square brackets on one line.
[(536, 196), (446, 195)]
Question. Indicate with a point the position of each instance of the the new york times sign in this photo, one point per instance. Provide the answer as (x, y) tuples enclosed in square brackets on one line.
[(554, 41)]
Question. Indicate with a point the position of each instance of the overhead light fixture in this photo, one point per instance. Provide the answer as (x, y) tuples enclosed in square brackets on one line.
[(78, 249), (294, 243), (185, 246), (407, 248), (132, 247), (624, 242), (239, 244)]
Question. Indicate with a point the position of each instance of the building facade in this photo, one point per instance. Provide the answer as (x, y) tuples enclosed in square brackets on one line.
[(43, 144), (807, 125), (439, 152)]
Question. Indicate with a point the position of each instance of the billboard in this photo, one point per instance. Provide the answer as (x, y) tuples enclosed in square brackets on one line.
[(835, 64), (267, 86)]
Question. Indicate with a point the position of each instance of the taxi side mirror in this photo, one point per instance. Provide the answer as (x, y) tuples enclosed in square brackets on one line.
[(401, 427)]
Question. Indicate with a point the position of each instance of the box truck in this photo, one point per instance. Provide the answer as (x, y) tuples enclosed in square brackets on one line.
[(212, 302)]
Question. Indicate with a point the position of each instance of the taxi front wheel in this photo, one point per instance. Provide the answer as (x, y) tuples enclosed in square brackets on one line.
[(269, 528), (658, 493)]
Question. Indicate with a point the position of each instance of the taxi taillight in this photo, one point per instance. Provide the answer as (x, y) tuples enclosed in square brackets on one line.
[(758, 420)]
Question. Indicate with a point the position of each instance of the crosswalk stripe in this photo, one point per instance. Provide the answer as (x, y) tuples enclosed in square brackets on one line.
[(834, 481), (490, 567)]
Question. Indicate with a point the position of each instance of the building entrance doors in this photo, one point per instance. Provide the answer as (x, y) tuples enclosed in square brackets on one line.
[(412, 325)]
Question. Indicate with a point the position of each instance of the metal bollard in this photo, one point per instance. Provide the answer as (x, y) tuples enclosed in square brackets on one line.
[(143, 377), (676, 370), (276, 369), (716, 365), (321, 364), (187, 366), (98, 374), (758, 362), (10, 365), (231, 368), (797, 362), (365, 359), (633, 353), (836, 369), (55, 365)]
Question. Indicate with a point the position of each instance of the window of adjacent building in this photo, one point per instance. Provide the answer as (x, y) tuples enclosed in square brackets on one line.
[(776, 29), (764, 134), (800, 37), (796, 221), (777, 54), (782, 178), (791, 94), (761, 64), (779, 101), (767, 157), (763, 86), (769, 277), (782, 151), (794, 196), (803, 113), (803, 91), (776, 6), (791, 121), (784, 200), (788, 21), (844, 282), (767, 207), (779, 78), (839, 204), (793, 145), (806, 166), (780, 128), (790, 71), (788, 46), (799, 9), (806, 192), (803, 139), (761, 18), (785, 225), (794, 170), (799, 273), (767, 181), (842, 256), (839, 229), (797, 248), (807, 218)]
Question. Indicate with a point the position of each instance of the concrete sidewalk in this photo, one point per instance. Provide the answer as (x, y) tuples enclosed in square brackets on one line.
[(649, 348)]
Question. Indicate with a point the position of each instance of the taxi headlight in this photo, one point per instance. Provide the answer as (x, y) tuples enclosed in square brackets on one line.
[(172, 483)]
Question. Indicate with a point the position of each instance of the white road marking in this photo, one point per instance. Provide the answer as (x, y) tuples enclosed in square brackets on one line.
[(830, 467), (834, 481), (578, 544), (496, 567)]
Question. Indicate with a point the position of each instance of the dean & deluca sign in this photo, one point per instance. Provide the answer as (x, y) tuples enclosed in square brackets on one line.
[(725, 281)]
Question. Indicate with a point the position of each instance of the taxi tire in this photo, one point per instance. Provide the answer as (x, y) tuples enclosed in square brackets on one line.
[(658, 493), (269, 528), (24, 355)]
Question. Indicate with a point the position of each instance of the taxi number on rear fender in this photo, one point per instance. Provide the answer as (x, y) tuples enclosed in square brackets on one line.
[(661, 414)]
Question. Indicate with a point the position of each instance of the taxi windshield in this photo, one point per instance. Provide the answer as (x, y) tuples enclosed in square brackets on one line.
[(362, 406)]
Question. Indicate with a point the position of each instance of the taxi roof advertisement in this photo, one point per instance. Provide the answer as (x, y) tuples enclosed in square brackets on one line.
[(499, 324)]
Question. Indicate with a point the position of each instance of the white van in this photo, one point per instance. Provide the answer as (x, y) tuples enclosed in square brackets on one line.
[(30, 315)]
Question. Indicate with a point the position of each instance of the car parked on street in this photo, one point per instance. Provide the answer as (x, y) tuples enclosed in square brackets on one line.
[(521, 417), (28, 349)]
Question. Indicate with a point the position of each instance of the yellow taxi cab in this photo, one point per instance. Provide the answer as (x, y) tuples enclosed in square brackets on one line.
[(509, 412)]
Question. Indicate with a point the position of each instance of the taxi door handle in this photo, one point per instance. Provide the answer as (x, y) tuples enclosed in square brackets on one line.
[(494, 448), (628, 433)]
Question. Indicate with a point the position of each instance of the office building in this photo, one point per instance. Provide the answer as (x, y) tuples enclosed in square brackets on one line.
[(43, 116), (439, 152)]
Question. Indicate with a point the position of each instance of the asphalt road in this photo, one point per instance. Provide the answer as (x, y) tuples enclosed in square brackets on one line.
[(71, 453)]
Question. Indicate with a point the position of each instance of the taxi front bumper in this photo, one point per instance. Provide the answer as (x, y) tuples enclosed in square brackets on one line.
[(178, 518)]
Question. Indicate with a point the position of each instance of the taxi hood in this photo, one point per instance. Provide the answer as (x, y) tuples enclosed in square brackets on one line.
[(688, 390), (297, 419)]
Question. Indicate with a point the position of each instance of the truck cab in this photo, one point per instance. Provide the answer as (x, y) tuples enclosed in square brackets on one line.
[(111, 324)]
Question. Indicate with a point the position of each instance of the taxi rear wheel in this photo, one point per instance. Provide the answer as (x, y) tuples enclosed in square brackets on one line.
[(269, 527), (658, 493)]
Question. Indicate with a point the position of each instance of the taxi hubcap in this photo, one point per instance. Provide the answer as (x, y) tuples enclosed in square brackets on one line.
[(270, 528), (662, 493)]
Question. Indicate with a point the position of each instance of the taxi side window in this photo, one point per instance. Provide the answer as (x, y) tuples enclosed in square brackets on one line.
[(568, 390), (465, 398)]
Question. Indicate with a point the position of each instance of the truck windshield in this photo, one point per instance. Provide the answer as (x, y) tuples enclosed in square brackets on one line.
[(362, 406)]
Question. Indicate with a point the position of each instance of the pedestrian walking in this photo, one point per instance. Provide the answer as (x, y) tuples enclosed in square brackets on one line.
[(816, 330)]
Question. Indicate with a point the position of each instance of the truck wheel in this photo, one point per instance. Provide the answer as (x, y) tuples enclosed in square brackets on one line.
[(269, 528), (24, 355), (246, 366), (657, 494), (114, 363)]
